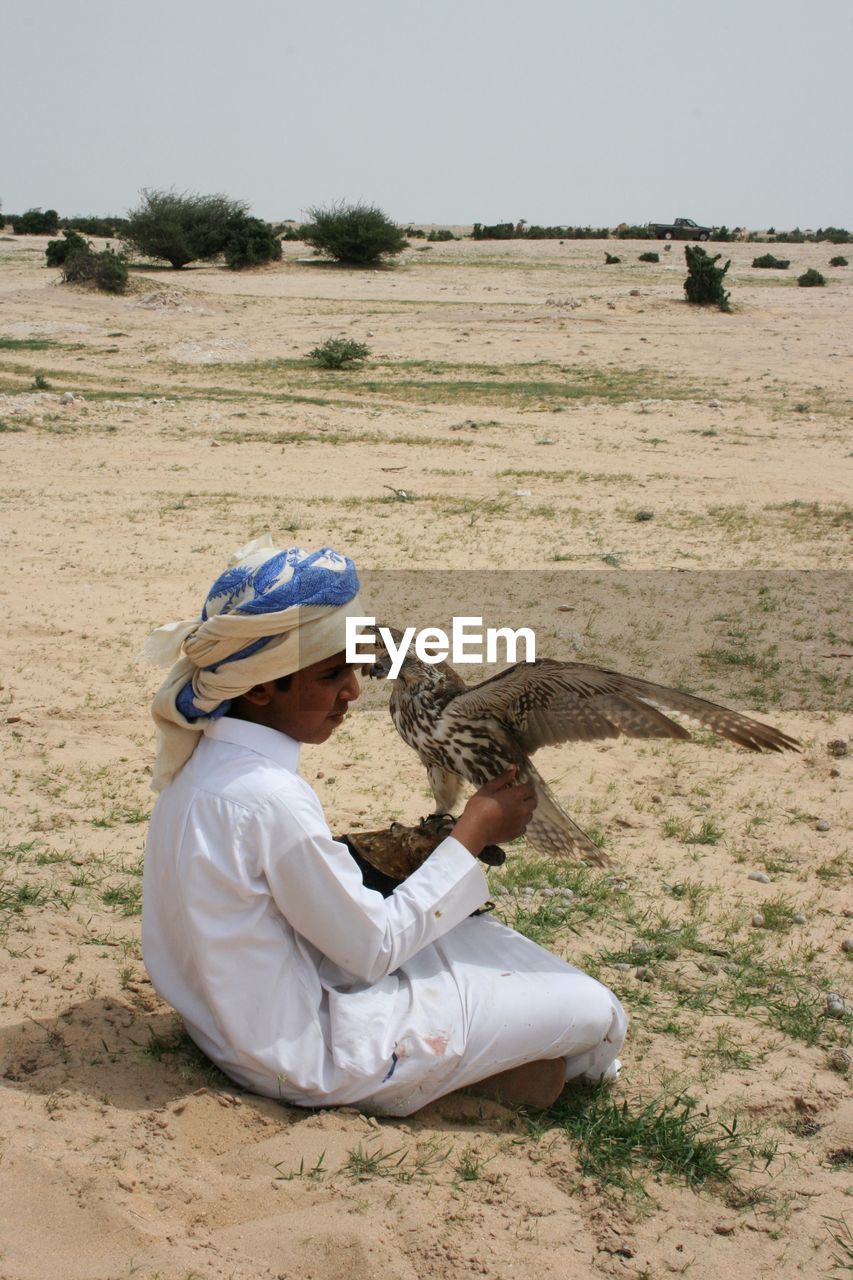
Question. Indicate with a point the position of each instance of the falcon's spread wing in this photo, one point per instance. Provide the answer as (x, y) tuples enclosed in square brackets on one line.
[(475, 731), (547, 702)]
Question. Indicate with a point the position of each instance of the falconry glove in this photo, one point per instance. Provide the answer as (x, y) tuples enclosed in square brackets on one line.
[(388, 857)]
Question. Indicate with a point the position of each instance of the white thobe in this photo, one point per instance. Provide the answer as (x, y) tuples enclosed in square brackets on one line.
[(300, 983)]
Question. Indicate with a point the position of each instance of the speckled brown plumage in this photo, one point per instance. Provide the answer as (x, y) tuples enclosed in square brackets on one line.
[(475, 731)]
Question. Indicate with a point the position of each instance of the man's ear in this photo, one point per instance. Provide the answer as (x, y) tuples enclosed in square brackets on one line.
[(260, 695)]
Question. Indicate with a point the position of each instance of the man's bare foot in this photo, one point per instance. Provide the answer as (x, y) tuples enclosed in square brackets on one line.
[(533, 1084)]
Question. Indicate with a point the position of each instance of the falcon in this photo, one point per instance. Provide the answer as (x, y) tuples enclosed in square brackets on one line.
[(474, 732)]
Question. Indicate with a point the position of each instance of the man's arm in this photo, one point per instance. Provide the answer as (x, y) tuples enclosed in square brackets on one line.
[(318, 888)]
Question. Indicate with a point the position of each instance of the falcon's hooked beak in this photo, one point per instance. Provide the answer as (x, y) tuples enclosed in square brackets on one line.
[(382, 665)]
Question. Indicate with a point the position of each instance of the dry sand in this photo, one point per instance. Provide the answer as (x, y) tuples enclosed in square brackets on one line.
[(121, 1156)]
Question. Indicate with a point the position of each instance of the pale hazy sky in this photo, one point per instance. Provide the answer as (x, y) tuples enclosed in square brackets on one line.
[(557, 111)]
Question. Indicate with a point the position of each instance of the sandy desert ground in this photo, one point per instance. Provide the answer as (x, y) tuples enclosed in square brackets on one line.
[(524, 408)]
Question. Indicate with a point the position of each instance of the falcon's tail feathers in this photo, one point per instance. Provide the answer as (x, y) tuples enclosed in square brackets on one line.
[(552, 831)]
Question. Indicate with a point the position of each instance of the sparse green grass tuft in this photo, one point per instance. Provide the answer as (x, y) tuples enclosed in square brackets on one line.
[(666, 1135), (27, 344), (707, 833)]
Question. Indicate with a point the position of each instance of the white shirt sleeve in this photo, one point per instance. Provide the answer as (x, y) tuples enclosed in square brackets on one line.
[(317, 886)]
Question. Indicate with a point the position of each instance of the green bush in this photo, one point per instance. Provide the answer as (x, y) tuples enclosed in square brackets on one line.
[(338, 353), (767, 260), (610, 259), (182, 227), (355, 234), (567, 233), (810, 279), (58, 250), (36, 222), (94, 226), (625, 232), (441, 234), (650, 257), (519, 231), (838, 261), (704, 283), (495, 231), (107, 270), (250, 243)]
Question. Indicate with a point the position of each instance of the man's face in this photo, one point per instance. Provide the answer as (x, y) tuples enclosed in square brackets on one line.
[(315, 704)]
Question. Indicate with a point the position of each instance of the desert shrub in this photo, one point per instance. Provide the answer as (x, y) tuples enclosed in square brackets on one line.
[(610, 259), (633, 232), (722, 235), (650, 257), (94, 226), (835, 235), (566, 233), (704, 283), (810, 279), (36, 222), (58, 250), (838, 261), (182, 227), (338, 353), (107, 270), (414, 233), (441, 233), (767, 260), (250, 243), (520, 231), (291, 233), (356, 234), (495, 231)]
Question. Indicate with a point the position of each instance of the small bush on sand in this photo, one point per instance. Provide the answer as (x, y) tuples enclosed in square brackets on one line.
[(650, 257), (250, 243), (338, 353), (704, 283), (610, 259), (810, 279), (354, 234), (107, 270), (838, 261), (58, 250), (767, 260), (441, 233)]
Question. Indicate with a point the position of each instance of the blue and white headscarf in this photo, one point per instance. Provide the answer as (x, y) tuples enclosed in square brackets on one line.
[(271, 613)]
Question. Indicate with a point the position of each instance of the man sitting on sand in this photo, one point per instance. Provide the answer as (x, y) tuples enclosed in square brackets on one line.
[(294, 978)]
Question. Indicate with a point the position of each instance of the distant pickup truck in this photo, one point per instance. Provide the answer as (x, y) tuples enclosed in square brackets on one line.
[(681, 229)]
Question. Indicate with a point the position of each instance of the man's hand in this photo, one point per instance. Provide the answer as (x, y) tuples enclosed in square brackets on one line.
[(499, 811)]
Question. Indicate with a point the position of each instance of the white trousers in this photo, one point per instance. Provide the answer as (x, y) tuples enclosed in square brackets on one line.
[(516, 1003)]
